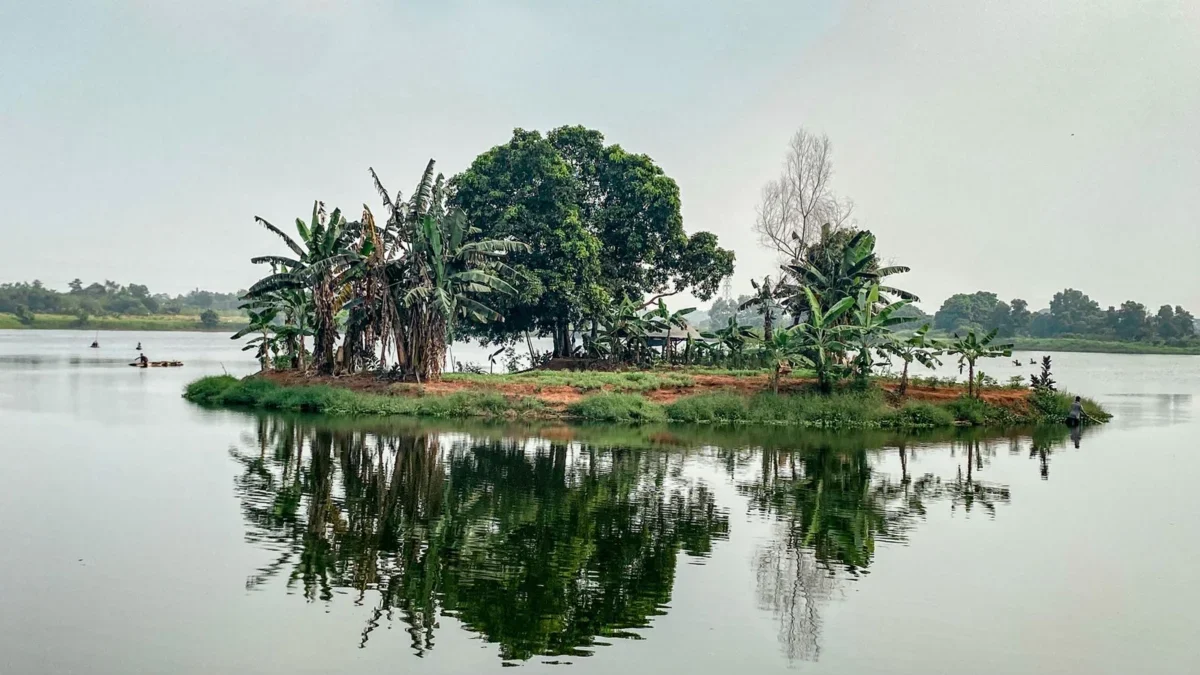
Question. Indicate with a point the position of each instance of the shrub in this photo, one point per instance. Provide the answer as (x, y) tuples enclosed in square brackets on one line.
[(1054, 406), (208, 390), (980, 413), (918, 414), (704, 408), (616, 408), (250, 391)]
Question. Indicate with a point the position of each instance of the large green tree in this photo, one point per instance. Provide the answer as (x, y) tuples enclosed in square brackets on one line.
[(964, 311), (526, 190), (602, 222)]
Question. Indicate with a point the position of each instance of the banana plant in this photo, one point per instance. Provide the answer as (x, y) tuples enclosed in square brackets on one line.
[(324, 260), (833, 270), (785, 350), (918, 347), (826, 340), (971, 348), (766, 299), (873, 324), (665, 320), (260, 322), (732, 338)]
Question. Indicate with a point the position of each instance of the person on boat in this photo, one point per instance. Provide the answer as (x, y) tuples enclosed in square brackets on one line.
[(95, 344), (143, 361), (1075, 417), (139, 347)]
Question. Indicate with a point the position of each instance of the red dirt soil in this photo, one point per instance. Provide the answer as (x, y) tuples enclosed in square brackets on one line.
[(559, 396)]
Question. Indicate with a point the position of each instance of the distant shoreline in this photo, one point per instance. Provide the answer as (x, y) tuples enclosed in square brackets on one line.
[(1099, 346), (154, 322), (191, 323)]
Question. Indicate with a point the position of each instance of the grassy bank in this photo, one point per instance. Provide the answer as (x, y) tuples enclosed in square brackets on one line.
[(585, 381), (843, 410), (154, 322), (1099, 346)]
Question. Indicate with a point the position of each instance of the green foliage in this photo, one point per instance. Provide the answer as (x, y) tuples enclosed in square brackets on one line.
[(825, 338), (1103, 346), (873, 323), (917, 347), (126, 323), (977, 412), (210, 319), (971, 348), (611, 407), (977, 311), (24, 316), (602, 224), (104, 299), (1072, 316), (209, 390), (841, 265), (844, 410), (584, 381), (1053, 407), (1045, 379), (922, 415), (533, 552), (767, 300), (261, 393)]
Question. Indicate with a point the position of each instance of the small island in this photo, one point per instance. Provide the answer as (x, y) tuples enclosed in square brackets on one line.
[(521, 244)]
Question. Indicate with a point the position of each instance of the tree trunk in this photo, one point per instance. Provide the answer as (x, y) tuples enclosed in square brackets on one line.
[(971, 379), (904, 380), (768, 326)]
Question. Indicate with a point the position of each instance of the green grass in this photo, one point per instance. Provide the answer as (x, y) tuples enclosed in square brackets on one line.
[(583, 381), (610, 407), (1100, 346), (255, 392), (842, 410), (153, 322)]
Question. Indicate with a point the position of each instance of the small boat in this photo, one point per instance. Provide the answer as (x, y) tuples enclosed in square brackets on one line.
[(157, 364)]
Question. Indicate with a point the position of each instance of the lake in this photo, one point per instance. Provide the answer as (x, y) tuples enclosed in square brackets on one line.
[(143, 534)]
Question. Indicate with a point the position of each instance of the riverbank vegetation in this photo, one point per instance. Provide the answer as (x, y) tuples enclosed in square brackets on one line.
[(701, 398)]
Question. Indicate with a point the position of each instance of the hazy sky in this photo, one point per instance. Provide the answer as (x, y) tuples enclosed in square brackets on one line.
[(1018, 146)]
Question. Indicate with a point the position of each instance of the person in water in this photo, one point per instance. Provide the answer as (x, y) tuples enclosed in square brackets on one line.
[(1075, 417), (139, 347)]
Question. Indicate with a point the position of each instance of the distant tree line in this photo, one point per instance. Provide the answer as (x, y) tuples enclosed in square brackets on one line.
[(107, 299), (1071, 314)]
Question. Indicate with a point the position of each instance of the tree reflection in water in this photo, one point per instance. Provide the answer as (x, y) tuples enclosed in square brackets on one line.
[(538, 546), (830, 506), (549, 547)]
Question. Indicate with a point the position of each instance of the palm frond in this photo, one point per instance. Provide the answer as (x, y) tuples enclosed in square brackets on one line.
[(274, 260), (286, 239)]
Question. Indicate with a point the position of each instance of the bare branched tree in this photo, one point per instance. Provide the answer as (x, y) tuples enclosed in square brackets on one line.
[(795, 206)]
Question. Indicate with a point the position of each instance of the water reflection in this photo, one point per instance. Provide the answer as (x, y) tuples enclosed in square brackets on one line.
[(551, 547), (540, 547)]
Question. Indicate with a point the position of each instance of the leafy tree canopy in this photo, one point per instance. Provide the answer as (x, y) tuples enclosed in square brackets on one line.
[(601, 222)]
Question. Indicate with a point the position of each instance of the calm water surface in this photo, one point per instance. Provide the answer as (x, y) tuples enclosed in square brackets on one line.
[(142, 534)]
